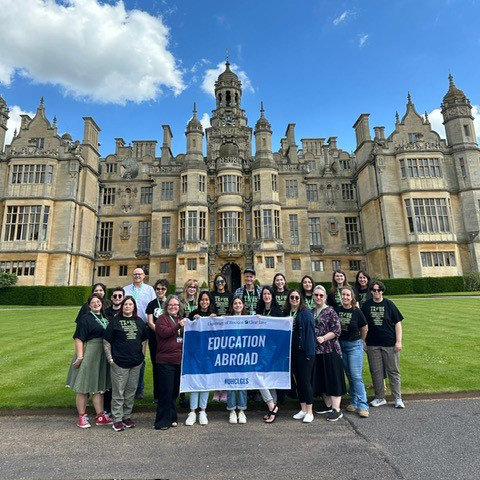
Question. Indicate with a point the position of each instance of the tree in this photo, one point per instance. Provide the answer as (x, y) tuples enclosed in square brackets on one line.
[(7, 279)]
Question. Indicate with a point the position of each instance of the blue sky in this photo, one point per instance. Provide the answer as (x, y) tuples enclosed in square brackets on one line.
[(319, 64)]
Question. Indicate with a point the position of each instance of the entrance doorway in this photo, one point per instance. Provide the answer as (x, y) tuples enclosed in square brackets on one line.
[(233, 274)]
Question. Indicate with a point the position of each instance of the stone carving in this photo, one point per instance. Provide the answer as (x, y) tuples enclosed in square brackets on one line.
[(142, 254), (125, 229), (104, 255), (131, 168), (126, 196), (333, 226)]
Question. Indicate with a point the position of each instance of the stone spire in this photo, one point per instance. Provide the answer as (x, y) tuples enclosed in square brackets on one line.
[(263, 123), (194, 123)]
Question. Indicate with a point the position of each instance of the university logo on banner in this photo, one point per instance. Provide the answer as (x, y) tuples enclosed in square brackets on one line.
[(242, 352)]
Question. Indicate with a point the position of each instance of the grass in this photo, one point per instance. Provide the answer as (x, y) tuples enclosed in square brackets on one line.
[(441, 351)]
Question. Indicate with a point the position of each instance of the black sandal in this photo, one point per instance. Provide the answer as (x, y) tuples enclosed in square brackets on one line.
[(272, 415)]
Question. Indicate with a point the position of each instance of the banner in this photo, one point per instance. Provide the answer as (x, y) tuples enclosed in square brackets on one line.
[(242, 352)]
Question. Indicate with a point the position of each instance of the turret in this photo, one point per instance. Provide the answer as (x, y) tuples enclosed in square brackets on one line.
[(194, 134), (457, 116), (228, 89), (263, 136), (3, 122)]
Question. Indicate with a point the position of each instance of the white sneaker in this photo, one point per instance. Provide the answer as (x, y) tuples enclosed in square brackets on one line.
[(300, 415), (233, 417), (378, 402), (399, 403), (191, 419), (308, 418), (202, 418), (242, 418)]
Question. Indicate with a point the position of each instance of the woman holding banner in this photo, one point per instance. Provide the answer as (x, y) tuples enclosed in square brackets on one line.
[(237, 399), (169, 331), (205, 309), (268, 307), (303, 352)]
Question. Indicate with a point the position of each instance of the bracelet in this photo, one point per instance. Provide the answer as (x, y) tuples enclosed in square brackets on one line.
[(79, 358)]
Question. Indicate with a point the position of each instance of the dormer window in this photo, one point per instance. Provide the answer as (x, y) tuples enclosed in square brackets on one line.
[(38, 142)]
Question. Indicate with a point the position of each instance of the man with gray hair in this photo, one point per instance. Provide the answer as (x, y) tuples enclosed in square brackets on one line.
[(143, 294)]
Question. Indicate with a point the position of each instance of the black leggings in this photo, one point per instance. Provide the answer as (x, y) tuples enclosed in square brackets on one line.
[(302, 367), (168, 387)]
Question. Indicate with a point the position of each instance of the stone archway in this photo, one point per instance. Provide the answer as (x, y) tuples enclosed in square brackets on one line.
[(233, 274)]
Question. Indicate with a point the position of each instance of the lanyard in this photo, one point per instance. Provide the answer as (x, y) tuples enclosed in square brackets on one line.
[(250, 297), (173, 320), (309, 303), (293, 314), (136, 292), (100, 320)]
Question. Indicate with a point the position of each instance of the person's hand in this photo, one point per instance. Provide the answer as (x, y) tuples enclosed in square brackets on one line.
[(110, 360), (196, 316), (364, 346), (320, 340), (397, 347), (77, 362), (183, 322), (213, 314)]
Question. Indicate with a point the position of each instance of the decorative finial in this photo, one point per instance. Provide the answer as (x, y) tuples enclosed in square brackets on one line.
[(262, 110), (15, 133), (227, 55), (397, 117), (194, 109), (55, 120), (426, 117), (42, 101), (450, 80), (409, 98)]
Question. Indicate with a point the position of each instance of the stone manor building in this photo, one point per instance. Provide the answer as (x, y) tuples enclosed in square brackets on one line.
[(406, 205)]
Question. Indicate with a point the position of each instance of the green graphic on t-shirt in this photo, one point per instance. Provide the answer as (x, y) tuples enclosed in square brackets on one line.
[(130, 328), (221, 303), (345, 319), (377, 314)]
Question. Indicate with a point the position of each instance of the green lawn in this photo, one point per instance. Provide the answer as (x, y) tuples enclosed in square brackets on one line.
[(441, 351)]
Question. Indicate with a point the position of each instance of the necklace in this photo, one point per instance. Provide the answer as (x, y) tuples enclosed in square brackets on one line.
[(102, 321)]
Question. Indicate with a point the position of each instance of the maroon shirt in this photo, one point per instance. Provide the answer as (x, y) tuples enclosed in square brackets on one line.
[(169, 341)]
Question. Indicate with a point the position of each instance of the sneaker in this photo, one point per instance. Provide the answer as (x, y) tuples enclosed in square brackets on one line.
[(308, 418), (128, 422), (363, 413), (216, 397), (233, 417), (202, 418), (223, 397), (118, 426), (300, 415), (102, 419), (323, 410), (399, 403), (242, 418), (191, 419), (378, 402), (83, 422), (334, 415), (350, 408), (140, 395)]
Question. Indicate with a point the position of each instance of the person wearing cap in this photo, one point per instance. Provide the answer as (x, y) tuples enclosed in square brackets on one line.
[(249, 293), (383, 344)]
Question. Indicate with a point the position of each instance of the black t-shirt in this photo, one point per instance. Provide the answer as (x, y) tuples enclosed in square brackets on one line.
[(295, 332), (381, 318), (351, 320), (281, 298), (126, 335), (334, 300), (221, 302), (197, 311), (272, 312), (110, 312), (88, 327), (362, 295), (309, 302), (155, 308)]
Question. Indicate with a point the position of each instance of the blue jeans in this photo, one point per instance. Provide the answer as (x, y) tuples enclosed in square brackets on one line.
[(352, 356), (194, 396), (141, 379), (237, 399)]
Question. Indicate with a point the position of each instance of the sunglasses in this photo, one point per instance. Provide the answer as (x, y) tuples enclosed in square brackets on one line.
[(115, 295), (160, 288), (218, 282), (377, 290), (319, 294), (295, 297)]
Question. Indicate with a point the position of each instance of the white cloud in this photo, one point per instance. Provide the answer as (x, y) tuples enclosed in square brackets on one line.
[(362, 38), (341, 18), (211, 75), (205, 120), (14, 122), (436, 121), (95, 51)]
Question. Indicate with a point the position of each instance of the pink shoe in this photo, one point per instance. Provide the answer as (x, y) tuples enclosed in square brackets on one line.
[(216, 397), (102, 419), (83, 422), (223, 398)]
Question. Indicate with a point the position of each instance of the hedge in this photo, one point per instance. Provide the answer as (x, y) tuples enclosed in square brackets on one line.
[(40, 295)]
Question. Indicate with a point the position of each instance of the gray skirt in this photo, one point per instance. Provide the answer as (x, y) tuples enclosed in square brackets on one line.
[(93, 375)]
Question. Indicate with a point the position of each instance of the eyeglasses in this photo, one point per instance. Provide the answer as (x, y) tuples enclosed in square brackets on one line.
[(160, 288), (376, 289), (294, 297), (137, 274), (319, 294), (173, 305), (115, 295), (192, 286)]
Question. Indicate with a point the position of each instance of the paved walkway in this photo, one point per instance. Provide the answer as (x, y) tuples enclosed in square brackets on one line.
[(436, 439)]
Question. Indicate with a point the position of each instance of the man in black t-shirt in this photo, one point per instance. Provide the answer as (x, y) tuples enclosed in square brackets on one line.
[(118, 294), (384, 343)]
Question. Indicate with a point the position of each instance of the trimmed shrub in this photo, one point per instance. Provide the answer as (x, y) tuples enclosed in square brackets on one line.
[(472, 281), (405, 286), (41, 295), (7, 279)]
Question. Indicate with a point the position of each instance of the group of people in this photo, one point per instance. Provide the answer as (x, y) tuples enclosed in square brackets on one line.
[(330, 332)]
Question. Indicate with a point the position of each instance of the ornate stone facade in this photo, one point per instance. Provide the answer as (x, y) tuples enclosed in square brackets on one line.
[(402, 206)]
